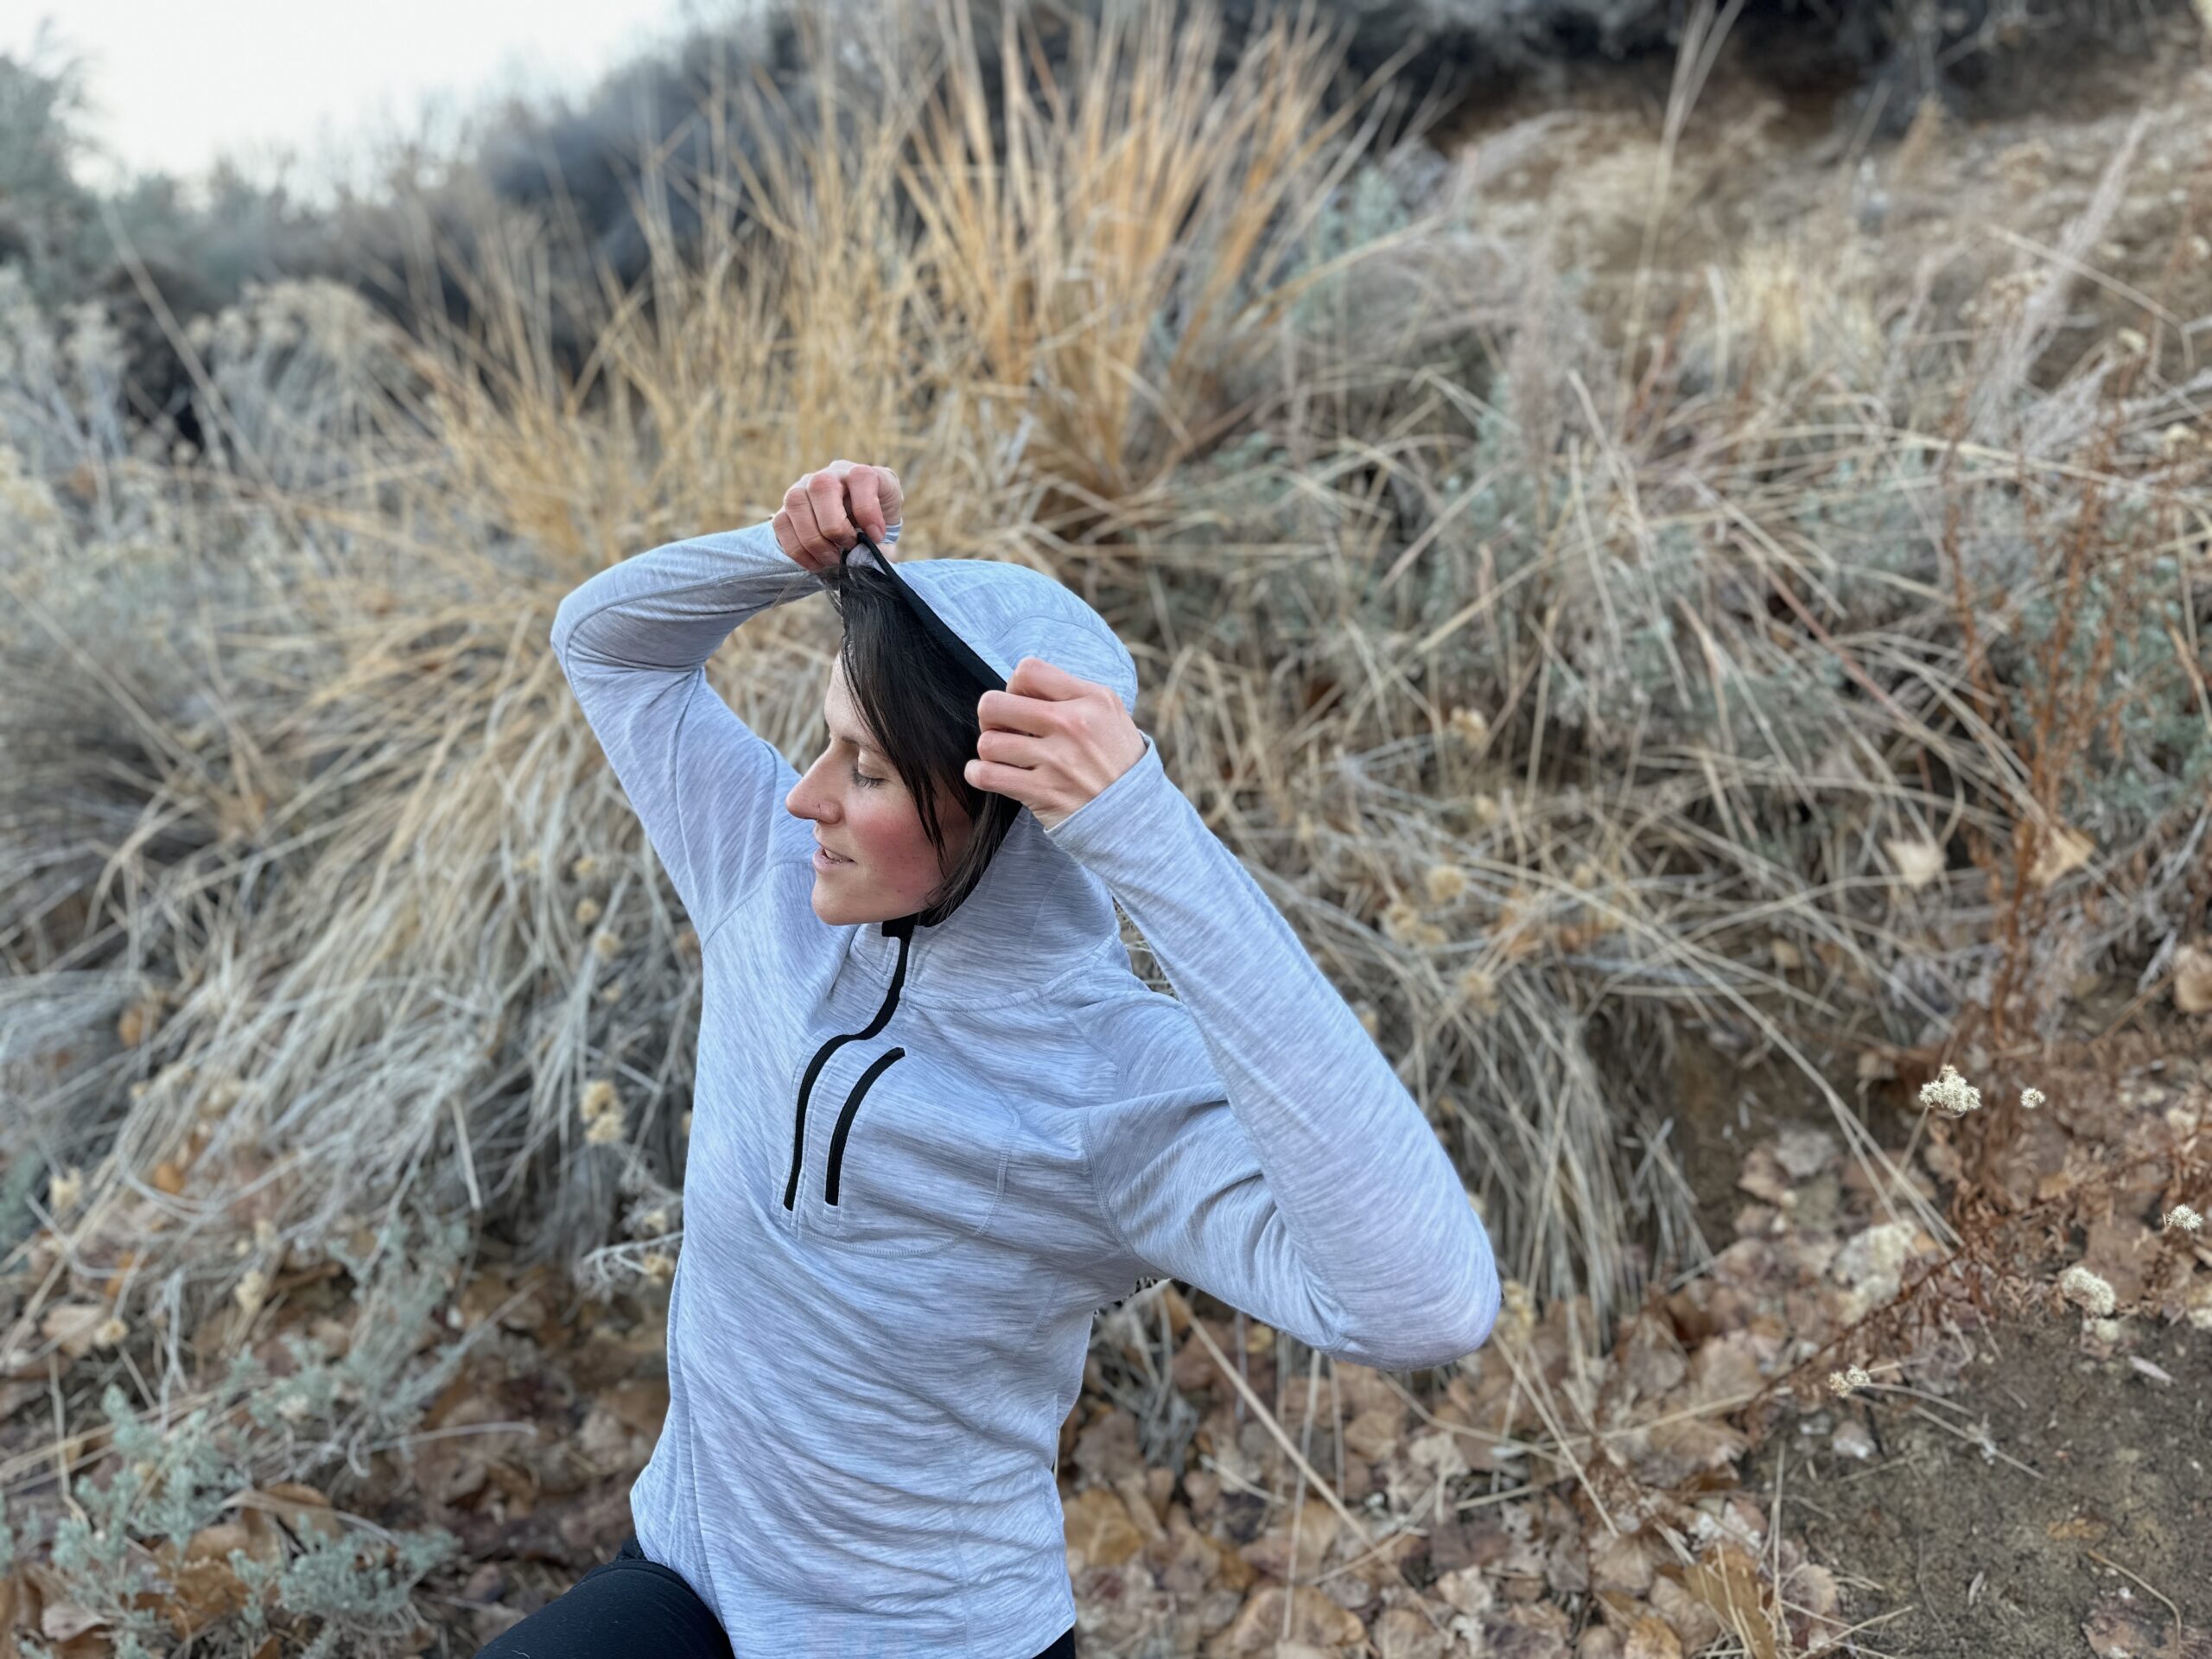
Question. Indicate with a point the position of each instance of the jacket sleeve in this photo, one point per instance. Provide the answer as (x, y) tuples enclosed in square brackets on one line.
[(1315, 1196), (634, 640)]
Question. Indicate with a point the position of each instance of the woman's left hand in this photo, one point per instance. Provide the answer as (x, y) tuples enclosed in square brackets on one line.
[(1052, 740)]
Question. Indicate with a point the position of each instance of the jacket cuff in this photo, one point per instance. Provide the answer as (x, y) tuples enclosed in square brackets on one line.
[(1129, 811)]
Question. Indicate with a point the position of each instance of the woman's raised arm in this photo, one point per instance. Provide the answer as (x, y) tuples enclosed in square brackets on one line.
[(1281, 1164), (634, 641)]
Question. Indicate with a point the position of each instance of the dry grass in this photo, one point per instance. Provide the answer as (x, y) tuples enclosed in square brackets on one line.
[(1551, 682)]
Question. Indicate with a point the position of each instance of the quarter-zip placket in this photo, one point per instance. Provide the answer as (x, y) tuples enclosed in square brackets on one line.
[(903, 930)]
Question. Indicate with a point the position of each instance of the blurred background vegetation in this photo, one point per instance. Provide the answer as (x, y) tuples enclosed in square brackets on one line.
[(1659, 532)]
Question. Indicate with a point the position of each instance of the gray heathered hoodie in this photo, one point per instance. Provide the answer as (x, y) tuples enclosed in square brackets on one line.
[(922, 1158)]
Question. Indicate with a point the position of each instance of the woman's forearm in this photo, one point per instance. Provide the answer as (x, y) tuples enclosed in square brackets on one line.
[(667, 609), (1377, 1213), (634, 641)]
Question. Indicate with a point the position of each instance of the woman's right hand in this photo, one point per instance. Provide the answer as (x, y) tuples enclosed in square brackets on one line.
[(817, 523)]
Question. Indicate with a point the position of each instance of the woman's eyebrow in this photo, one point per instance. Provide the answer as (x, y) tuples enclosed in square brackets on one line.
[(864, 749)]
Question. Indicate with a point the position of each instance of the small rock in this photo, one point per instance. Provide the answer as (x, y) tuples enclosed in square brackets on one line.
[(1652, 1637), (1467, 1591), (1403, 1633), (1851, 1440)]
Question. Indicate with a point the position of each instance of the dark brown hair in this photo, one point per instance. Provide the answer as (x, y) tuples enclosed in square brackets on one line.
[(918, 703)]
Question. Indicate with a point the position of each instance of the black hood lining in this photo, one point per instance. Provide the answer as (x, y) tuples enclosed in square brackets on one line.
[(935, 626)]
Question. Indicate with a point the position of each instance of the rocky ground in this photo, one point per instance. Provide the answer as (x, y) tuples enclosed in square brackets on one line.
[(2017, 1474)]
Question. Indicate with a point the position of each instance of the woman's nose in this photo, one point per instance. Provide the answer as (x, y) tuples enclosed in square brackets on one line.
[(804, 801)]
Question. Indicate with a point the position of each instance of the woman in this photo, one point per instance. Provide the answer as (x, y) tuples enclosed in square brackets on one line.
[(938, 1122)]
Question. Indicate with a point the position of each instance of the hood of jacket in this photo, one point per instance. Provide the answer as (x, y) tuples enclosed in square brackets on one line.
[(1036, 914)]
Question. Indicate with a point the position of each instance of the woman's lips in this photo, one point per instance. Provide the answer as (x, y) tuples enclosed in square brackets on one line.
[(825, 860)]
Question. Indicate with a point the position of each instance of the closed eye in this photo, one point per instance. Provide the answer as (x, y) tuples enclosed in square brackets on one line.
[(859, 777)]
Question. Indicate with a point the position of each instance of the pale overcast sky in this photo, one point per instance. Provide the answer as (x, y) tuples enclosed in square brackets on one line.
[(173, 86)]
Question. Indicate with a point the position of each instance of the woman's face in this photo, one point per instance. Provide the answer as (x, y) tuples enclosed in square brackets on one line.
[(885, 867)]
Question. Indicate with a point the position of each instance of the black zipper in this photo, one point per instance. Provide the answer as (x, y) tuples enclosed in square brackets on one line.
[(845, 1122), (903, 930)]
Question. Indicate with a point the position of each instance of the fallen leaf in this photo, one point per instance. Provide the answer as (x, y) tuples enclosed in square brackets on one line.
[(1620, 1561), (1374, 1432), (1467, 1591), (1108, 1445), (642, 1405), (2193, 979), (202, 1586), (1136, 1498), (1876, 1066), (2121, 1625), (1727, 1581), (1313, 1618), (64, 1619), (1099, 1532), (1271, 1551), (301, 1508), (1676, 1450), (1437, 1454), (1918, 862), (1404, 1633), (1534, 1630), (2081, 1527), (71, 1326), (1816, 1607), (2063, 851)]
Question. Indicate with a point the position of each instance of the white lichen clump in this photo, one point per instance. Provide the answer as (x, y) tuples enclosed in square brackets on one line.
[(1471, 728), (2085, 1290), (2031, 1099), (602, 1112), (1446, 883), (1847, 1381), (250, 1292), (63, 1188), (1950, 1093), (2181, 1218)]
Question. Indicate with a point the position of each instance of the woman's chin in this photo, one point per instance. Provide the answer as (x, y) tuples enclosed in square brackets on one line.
[(837, 909)]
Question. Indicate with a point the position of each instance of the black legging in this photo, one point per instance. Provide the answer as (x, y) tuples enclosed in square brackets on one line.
[(629, 1605)]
